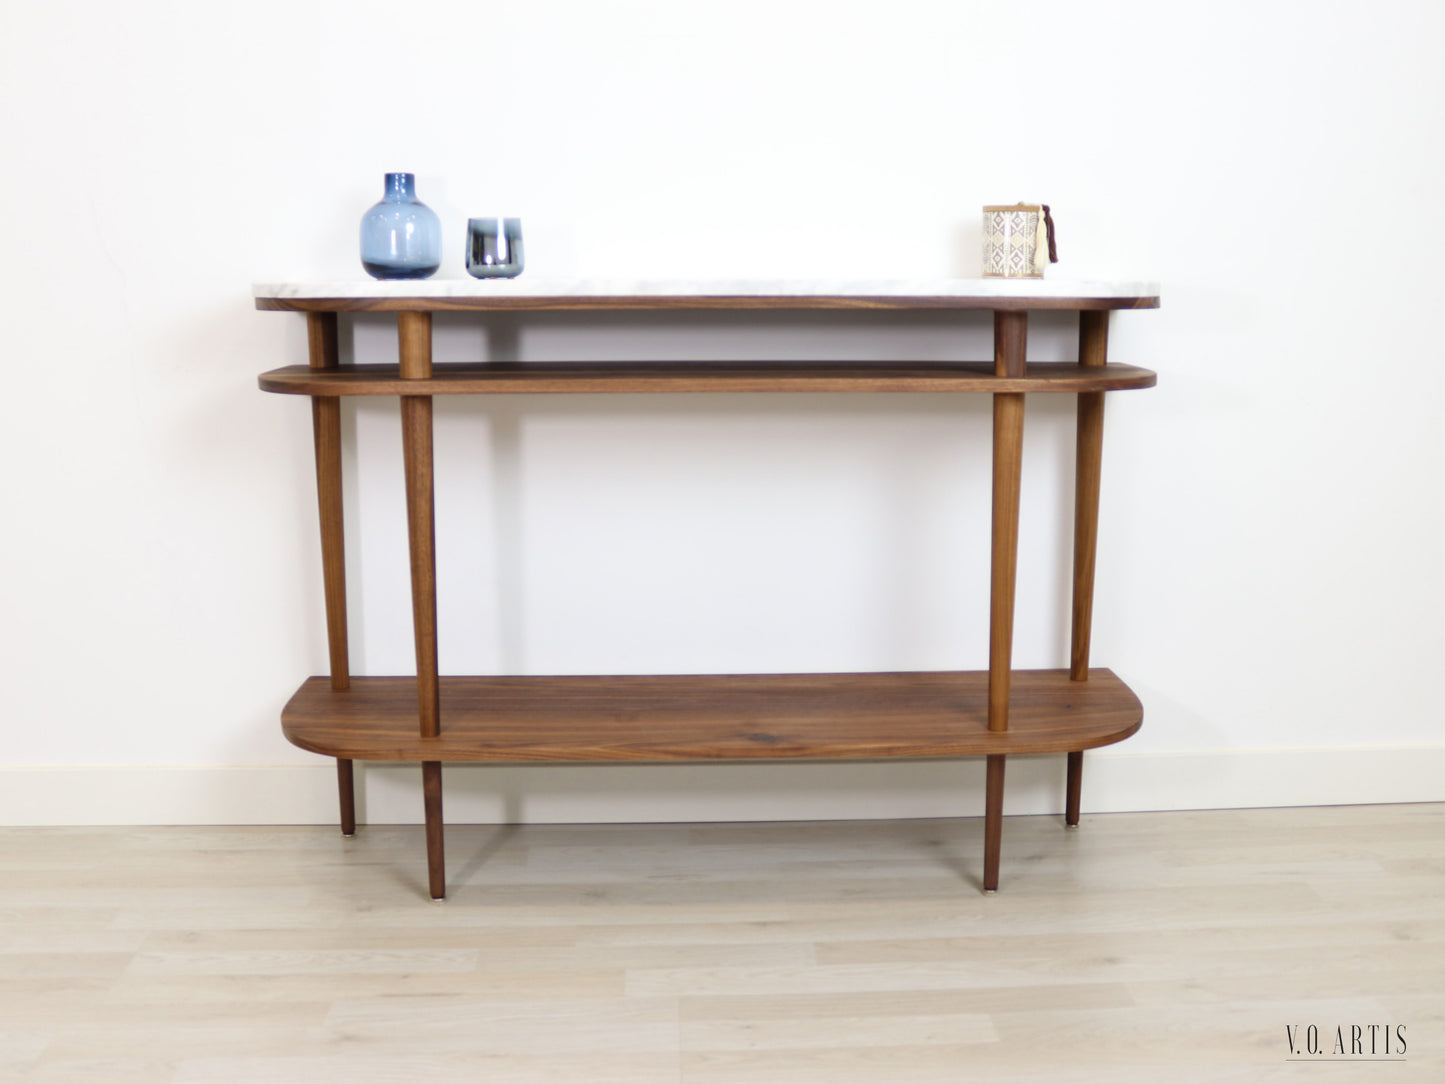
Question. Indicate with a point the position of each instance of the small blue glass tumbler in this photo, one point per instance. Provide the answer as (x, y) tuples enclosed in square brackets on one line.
[(494, 248), (401, 237)]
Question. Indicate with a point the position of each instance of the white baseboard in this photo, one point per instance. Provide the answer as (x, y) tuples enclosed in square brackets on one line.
[(391, 794)]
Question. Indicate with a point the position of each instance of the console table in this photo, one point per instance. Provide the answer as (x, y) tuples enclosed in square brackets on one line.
[(431, 719)]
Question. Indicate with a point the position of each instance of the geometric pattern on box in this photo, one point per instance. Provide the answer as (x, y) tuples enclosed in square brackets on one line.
[(1010, 240)]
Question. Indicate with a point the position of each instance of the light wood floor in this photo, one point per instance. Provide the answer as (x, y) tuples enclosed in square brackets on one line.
[(1145, 947)]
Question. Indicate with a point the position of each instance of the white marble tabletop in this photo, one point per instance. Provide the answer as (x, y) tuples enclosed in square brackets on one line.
[(544, 288)]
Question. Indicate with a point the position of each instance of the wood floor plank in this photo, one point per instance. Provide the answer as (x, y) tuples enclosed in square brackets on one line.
[(111, 1070), (830, 1033), (481, 986), (870, 1004), (363, 1068), (444, 1025)]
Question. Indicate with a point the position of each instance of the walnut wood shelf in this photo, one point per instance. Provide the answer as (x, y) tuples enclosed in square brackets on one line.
[(712, 717), (549, 377), (993, 713)]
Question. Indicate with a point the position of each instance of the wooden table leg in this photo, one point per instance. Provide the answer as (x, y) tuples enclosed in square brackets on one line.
[(1010, 345), (414, 334), (436, 861), (1074, 788), (1008, 429), (346, 788), (1088, 469), (321, 331), (416, 418), (993, 823)]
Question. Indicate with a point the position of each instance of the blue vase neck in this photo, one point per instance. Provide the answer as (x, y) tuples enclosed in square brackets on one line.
[(400, 186)]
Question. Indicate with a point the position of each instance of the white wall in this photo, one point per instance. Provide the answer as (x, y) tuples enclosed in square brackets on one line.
[(1270, 579)]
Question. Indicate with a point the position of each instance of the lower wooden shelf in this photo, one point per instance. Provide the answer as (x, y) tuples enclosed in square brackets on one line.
[(732, 717)]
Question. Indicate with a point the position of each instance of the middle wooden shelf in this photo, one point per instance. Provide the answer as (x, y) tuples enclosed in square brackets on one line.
[(502, 377)]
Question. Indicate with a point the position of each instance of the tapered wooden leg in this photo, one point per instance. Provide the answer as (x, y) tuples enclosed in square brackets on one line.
[(1010, 342), (416, 422), (326, 431), (1074, 789), (346, 789), (1088, 469), (1088, 464), (1008, 429), (326, 424), (993, 822), (414, 332), (436, 861), (414, 335)]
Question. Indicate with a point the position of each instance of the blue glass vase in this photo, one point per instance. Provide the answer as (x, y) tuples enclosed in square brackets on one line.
[(401, 237)]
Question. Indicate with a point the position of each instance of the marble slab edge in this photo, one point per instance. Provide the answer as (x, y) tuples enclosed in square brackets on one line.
[(542, 289)]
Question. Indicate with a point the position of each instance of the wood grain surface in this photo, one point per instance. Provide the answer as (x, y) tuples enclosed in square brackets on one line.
[(993, 820), (533, 377), (415, 366), (1088, 466), (1010, 352), (1146, 947), (326, 430), (324, 353), (711, 717)]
